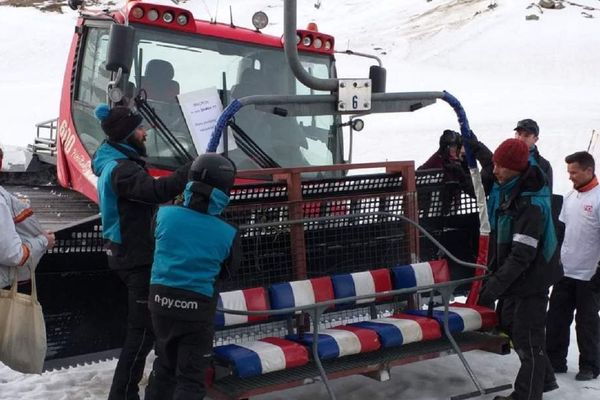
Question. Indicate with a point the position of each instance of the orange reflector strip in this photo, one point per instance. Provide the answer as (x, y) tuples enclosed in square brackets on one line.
[(25, 255), (26, 213)]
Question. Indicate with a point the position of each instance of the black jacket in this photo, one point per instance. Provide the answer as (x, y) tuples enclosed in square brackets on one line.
[(524, 251), (128, 197), (543, 164)]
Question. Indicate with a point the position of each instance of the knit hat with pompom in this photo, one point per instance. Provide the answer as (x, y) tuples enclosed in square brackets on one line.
[(118, 122)]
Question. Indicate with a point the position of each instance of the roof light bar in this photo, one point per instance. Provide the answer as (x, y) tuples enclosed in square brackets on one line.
[(153, 15), (168, 17)]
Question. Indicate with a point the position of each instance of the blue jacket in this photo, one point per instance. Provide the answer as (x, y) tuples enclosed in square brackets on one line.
[(128, 196), (523, 245), (194, 247)]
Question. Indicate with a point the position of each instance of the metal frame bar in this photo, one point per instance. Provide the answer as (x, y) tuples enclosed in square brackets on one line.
[(46, 144)]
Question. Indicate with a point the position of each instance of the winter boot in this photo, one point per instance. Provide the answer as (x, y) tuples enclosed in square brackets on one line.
[(585, 375)]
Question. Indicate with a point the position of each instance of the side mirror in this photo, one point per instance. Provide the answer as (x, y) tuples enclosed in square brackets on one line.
[(120, 48), (378, 77)]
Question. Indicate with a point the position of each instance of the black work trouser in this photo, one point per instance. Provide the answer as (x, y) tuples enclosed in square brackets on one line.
[(524, 318), (139, 339), (184, 352), (570, 295)]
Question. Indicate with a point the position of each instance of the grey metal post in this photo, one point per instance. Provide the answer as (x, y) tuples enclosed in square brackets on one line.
[(291, 52)]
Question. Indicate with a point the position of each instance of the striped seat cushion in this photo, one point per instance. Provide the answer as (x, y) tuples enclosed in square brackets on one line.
[(254, 299), (262, 356), (341, 341), (463, 318), (402, 329), (362, 283), (421, 274), (300, 293)]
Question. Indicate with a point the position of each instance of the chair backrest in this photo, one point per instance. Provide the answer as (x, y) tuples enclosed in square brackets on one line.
[(421, 274), (158, 81), (254, 299), (362, 283), (300, 293)]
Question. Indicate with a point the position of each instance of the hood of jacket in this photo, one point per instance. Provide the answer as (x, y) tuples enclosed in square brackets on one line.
[(204, 198)]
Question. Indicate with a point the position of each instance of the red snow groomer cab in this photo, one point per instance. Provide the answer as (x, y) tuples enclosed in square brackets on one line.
[(336, 265), (173, 53)]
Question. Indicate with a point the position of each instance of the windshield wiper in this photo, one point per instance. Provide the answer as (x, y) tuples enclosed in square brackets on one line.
[(251, 149), (152, 117)]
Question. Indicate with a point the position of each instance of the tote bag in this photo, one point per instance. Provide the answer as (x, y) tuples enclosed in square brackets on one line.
[(22, 329)]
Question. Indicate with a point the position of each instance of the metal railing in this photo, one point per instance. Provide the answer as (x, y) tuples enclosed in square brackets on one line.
[(45, 139)]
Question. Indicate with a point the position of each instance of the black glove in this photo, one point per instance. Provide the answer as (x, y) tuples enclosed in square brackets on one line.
[(487, 298), (472, 142), (595, 281)]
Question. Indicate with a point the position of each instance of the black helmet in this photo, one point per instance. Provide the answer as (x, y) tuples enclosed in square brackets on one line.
[(450, 138), (214, 170)]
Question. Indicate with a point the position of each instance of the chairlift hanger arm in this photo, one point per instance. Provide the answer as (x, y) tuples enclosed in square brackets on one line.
[(310, 105)]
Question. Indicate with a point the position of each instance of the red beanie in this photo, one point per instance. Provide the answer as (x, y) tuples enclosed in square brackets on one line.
[(512, 154)]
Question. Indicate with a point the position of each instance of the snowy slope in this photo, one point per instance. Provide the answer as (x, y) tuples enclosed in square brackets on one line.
[(502, 67)]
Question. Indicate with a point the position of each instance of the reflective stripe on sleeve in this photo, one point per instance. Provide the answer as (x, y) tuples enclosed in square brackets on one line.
[(23, 215), (526, 240)]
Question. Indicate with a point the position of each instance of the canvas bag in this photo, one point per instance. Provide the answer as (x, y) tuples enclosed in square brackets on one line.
[(22, 329)]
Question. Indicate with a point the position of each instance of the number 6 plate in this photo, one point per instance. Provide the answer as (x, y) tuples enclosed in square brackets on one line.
[(354, 95)]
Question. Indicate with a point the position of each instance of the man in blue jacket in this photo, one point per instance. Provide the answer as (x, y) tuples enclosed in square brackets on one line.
[(194, 248), (128, 197), (523, 263)]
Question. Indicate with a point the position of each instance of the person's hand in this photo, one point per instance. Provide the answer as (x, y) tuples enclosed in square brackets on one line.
[(487, 297), (51, 239), (472, 141)]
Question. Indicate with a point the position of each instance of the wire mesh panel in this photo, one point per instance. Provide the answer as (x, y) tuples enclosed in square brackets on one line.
[(353, 244), (248, 333), (287, 235), (80, 295), (450, 214), (438, 198)]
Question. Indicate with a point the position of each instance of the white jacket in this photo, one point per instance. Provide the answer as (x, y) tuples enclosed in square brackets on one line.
[(22, 239)]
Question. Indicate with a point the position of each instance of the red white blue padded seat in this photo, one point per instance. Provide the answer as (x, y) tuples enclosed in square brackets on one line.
[(341, 341), (260, 356), (362, 283), (254, 299), (300, 293), (421, 274), (463, 318), (402, 329)]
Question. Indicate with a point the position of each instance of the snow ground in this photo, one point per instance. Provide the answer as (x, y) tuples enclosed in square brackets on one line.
[(502, 67)]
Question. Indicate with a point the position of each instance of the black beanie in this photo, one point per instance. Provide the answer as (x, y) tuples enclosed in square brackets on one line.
[(119, 122)]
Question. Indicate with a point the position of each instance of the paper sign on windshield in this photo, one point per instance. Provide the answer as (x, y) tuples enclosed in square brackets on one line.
[(201, 110)]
